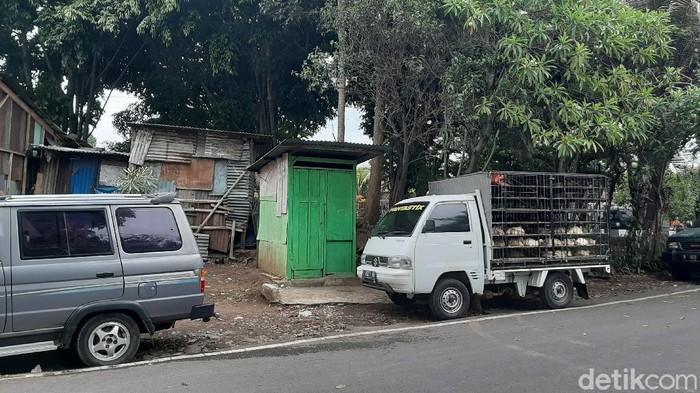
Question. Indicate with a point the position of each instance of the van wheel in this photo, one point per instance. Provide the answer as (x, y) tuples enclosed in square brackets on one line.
[(108, 339), (557, 291), (449, 299), (400, 299)]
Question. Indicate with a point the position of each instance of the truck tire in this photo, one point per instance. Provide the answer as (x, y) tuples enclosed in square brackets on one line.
[(557, 291), (108, 339), (680, 273), (400, 299), (449, 299)]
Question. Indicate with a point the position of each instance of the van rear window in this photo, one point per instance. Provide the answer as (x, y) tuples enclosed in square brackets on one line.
[(55, 234), (150, 229)]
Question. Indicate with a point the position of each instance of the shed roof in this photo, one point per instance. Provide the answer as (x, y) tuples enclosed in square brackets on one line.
[(320, 149), (171, 127), (87, 151)]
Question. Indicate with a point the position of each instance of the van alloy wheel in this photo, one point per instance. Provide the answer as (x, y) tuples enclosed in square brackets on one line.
[(107, 339)]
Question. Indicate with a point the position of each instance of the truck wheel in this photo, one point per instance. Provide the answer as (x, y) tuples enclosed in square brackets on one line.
[(557, 291), (108, 339), (449, 299), (680, 273), (400, 299)]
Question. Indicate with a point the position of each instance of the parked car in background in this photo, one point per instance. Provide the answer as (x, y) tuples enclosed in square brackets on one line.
[(682, 255), (94, 272)]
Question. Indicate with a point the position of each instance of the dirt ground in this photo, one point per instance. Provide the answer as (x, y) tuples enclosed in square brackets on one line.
[(247, 318)]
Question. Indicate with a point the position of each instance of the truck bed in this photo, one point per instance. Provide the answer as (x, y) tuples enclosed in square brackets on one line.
[(539, 219)]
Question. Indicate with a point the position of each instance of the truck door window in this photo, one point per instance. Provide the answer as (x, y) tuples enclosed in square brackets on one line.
[(148, 230), (451, 217), (56, 234)]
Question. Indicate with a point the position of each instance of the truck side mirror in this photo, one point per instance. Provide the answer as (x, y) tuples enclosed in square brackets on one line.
[(429, 226)]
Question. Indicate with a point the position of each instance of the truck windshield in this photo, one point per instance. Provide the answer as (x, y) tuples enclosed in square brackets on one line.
[(400, 221)]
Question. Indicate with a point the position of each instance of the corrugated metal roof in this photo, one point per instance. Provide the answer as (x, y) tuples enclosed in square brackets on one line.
[(169, 146), (96, 152), (170, 127), (321, 149)]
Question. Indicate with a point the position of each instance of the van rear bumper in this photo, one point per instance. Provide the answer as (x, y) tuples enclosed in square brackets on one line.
[(203, 312)]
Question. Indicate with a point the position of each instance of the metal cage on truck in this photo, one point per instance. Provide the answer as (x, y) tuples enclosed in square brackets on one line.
[(540, 220)]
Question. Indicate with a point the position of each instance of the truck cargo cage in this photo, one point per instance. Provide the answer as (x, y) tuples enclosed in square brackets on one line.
[(540, 219)]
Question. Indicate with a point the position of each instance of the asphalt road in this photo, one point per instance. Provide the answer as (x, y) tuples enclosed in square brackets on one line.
[(526, 352)]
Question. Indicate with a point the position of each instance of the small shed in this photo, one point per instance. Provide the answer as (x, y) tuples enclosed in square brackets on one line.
[(65, 170), (308, 207), (203, 166), (22, 124)]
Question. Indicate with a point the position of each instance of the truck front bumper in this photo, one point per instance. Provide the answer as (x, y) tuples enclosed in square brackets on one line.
[(682, 258), (387, 279)]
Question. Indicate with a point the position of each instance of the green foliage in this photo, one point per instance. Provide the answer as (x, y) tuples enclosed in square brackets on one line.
[(138, 180), (685, 194), (572, 75)]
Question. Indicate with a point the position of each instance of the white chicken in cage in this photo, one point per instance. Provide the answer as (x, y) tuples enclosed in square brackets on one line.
[(498, 231), (515, 231), (499, 243), (530, 242), (575, 230), (515, 242), (582, 253)]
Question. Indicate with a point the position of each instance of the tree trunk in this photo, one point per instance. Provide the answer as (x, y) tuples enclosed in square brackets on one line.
[(481, 145), (341, 76), (26, 62), (372, 210)]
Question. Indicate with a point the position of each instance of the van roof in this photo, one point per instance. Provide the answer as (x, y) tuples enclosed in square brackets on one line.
[(85, 199)]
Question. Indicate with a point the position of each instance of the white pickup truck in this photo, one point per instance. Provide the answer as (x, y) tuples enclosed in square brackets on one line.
[(490, 231)]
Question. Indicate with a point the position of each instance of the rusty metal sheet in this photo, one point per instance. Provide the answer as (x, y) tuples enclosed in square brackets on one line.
[(219, 239), (170, 146), (198, 175)]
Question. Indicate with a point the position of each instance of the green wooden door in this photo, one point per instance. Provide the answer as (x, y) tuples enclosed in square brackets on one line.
[(340, 223), (307, 223)]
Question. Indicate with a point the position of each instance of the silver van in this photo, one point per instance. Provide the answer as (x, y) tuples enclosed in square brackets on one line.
[(94, 272)]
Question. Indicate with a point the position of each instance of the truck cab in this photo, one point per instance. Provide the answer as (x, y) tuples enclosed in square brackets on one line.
[(424, 241)]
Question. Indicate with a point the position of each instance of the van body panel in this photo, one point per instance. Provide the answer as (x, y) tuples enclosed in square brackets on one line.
[(45, 291), (4, 268)]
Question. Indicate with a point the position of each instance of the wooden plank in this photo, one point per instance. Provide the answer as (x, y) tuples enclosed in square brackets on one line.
[(232, 244), (209, 228), (223, 198), (199, 174)]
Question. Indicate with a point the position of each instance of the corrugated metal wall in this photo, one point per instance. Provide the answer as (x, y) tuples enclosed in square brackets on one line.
[(171, 146), (240, 198), (85, 172)]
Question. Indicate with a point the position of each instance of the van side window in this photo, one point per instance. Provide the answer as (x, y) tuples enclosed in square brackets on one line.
[(56, 234), (148, 230), (450, 218)]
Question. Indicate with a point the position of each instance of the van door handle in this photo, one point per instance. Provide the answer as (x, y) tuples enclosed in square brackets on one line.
[(104, 275), (467, 242)]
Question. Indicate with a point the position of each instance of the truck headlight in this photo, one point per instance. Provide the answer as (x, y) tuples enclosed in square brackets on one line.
[(673, 246), (365, 260), (400, 263)]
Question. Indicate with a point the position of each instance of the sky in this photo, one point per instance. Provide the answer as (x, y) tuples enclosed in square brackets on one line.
[(119, 100)]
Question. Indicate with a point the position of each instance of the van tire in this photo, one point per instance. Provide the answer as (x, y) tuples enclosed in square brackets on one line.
[(557, 291), (108, 339), (449, 299)]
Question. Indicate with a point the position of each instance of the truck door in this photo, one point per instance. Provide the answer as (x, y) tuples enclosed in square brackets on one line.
[(61, 259), (452, 246)]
